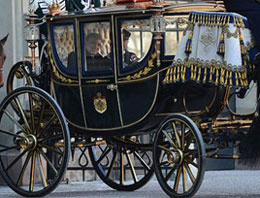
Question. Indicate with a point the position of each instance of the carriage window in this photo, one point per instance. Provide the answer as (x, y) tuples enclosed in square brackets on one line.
[(64, 45), (97, 49), (136, 39), (175, 26)]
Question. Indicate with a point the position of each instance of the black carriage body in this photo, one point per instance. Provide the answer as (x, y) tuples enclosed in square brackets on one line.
[(106, 99), (115, 97)]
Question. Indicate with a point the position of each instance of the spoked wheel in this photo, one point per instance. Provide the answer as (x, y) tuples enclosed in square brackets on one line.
[(124, 163), (19, 76), (34, 143), (179, 156)]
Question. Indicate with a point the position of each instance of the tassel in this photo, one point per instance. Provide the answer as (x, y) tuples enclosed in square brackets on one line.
[(166, 79), (218, 20), (236, 79), (240, 79), (221, 46), (210, 74), (195, 73), (170, 75), (191, 72), (226, 78), (222, 76), (174, 74), (199, 74), (230, 78), (178, 74), (205, 74), (189, 43), (183, 72), (217, 76)]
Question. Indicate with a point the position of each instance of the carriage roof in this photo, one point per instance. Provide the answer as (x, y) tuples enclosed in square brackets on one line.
[(132, 8)]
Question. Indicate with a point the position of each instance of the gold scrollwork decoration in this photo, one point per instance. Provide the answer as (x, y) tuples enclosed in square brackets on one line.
[(56, 72), (145, 71)]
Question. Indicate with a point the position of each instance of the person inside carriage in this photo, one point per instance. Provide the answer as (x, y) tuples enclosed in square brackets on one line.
[(129, 58), (95, 61)]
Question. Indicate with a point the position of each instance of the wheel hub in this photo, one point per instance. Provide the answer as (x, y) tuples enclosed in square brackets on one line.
[(29, 142), (175, 157)]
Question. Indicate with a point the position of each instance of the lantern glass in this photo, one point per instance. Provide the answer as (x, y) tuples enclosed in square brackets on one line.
[(32, 32)]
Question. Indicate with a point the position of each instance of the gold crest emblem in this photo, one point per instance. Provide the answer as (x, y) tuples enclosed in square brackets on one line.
[(100, 103)]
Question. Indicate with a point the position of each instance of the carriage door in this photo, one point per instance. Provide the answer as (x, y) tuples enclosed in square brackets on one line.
[(97, 74), (137, 84)]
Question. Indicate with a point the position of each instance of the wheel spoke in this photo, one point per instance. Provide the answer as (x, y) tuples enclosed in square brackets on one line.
[(191, 175), (9, 133), (168, 176), (188, 143), (32, 112), (112, 164), (47, 125), (177, 180), (131, 167), (41, 116), (9, 115), (122, 171), (104, 154), (184, 179), (164, 148), (183, 136), (50, 148), (23, 114), (188, 161), (9, 148), (43, 177), (19, 180), (176, 134), (142, 161), (31, 184), (170, 139), (16, 159), (48, 161)]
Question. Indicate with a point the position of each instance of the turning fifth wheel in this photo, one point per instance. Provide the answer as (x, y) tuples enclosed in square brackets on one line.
[(34, 142), (124, 163), (179, 156)]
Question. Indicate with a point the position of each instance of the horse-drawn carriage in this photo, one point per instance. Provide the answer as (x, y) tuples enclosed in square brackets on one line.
[(129, 114)]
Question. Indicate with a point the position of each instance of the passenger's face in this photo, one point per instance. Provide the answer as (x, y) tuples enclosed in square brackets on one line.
[(125, 44), (93, 46)]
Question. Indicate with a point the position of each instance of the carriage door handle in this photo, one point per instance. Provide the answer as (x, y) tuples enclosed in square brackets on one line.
[(112, 87)]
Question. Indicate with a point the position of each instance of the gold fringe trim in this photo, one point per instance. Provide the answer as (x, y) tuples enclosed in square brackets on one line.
[(206, 72), (215, 18)]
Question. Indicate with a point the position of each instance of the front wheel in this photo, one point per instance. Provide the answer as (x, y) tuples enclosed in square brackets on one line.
[(34, 142), (179, 156)]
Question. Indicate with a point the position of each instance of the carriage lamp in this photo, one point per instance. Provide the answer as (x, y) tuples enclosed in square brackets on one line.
[(157, 24), (32, 35)]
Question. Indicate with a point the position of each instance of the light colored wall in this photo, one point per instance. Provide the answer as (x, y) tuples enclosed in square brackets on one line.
[(11, 21)]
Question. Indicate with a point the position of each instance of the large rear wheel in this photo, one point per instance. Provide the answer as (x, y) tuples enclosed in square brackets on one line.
[(34, 143), (179, 156), (124, 163)]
